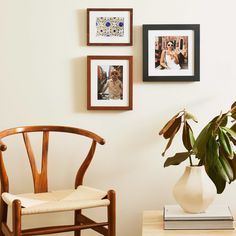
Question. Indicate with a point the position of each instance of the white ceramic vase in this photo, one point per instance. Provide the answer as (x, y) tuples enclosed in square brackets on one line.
[(194, 191)]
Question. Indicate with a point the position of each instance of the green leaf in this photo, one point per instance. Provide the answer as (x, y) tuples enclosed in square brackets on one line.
[(224, 121), (217, 118), (233, 140), (176, 159), (233, 110), (172, 129), (217, 179), (233, 166), (227, 168), (225, 143), (188, 137), (233, 115), (213, 165), (233, 105), (212, 151), (212, 158), (233, 127), (223, 152), (199, 147), (191, 137), (231, 131)]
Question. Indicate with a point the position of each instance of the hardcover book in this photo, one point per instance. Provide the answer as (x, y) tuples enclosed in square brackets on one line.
[(214, 212), (216, 217), (199, 224)]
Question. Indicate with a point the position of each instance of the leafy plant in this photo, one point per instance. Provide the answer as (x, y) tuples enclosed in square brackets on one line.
[(213, 147)]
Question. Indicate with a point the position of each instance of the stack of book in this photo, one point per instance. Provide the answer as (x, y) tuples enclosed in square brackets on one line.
[(215, 217)]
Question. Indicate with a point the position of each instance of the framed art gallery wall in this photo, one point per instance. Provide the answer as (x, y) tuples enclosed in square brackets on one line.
[(44, 81), (109, 78)]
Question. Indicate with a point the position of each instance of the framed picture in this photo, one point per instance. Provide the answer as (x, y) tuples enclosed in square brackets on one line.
[(171, 52), (109, 26), (109, 82)]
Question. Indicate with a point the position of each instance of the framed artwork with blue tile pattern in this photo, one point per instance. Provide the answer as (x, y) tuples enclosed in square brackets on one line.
[(110, 26)]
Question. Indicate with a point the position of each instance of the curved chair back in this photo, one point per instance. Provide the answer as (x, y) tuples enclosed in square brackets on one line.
[(40, 178)]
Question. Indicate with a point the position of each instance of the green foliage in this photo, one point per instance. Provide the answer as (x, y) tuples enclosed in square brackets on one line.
[(213, 147), (176, 159)]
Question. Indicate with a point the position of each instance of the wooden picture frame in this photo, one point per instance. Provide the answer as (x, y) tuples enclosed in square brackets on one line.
[(109, 82), (171, 52), (109, 26)]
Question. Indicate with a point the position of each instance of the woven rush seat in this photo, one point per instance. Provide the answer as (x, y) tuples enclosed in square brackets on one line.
[(55, 201)]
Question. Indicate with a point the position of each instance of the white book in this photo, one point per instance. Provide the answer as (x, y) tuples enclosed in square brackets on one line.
[(198, 225), (214, 212)]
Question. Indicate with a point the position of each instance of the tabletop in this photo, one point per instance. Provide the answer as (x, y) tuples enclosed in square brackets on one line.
[(153, 226)]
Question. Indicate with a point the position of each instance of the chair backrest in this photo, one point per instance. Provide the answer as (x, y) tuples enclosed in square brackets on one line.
[(40, 178)]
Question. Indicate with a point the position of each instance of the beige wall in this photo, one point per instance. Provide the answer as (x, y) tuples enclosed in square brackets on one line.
[(43, 81)]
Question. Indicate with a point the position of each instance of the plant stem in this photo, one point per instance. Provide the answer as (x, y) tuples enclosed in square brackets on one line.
[(200, 163), (190, 160)]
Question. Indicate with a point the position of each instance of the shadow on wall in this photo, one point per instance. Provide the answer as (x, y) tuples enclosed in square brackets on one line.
[(137, 54), (79, 78), (78, 66), (81, 17)]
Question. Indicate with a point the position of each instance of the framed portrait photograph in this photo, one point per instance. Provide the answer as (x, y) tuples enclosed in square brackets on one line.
[(109, 26), (109, 82), (171, 52)]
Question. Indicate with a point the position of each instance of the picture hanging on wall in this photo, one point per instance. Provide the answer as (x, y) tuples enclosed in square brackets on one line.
[(171, 52), (109, 82), (110, 26)]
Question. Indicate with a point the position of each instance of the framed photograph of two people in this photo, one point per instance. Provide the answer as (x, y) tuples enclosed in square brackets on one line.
[(109, 82), (171, 52)]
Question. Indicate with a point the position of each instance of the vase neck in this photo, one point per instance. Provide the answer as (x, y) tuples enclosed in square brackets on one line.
[(194, 168)]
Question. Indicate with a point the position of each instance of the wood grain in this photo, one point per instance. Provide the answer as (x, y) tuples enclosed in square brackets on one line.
[(40, 179)]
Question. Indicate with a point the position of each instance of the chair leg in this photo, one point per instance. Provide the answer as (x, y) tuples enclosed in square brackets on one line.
[(3, 215), (112, 213), (77, 222), (16, 218)]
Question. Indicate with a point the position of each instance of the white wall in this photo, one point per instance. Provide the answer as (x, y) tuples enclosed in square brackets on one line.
[(43, 81)]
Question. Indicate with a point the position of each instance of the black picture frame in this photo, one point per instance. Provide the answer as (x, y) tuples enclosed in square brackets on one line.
[(187, 42)]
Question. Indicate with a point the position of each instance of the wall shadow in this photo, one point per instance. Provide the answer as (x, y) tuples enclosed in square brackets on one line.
[(82, 26), (137, 54), (79, 83)]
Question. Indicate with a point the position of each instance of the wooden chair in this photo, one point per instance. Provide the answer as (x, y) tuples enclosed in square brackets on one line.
[(40, 201)]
